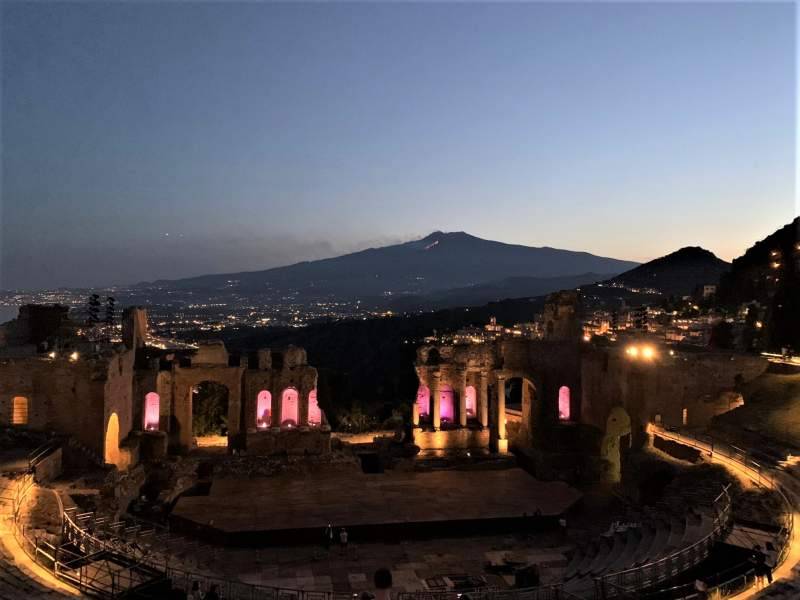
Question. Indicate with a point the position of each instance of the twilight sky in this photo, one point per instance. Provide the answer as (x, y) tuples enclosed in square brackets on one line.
[(151, 140)]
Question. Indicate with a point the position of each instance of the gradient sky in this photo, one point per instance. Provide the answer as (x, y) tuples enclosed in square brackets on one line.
[(256, 135)]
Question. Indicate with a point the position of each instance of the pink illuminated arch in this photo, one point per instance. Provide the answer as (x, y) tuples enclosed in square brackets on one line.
[(314, 413), (424, 401), (289, 408), (263, 409), (152, 407), (471, 403), (563, 403), (446, 404)]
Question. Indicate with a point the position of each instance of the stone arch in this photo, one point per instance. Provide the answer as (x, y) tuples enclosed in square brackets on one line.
[(210, 409), (314, 412), (152, 411), (111, 446), (290, 407), (447, 403), (424, 401), (618, 427), (564, 411), (19, 410), (471, 401), (521, 395), (263, 409)]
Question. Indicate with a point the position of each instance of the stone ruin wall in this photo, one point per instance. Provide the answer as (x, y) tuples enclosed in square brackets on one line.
[(700, 383)]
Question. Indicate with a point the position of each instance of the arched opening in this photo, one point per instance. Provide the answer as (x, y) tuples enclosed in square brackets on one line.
[(210, 409), (111, 448), (19, 410), (152, 411), (471, 402), (447, 404), (563, 403), (685, 417), (520, 394), (289, 408), (314, 413), (616, 441), (263, 409), (424, 401)]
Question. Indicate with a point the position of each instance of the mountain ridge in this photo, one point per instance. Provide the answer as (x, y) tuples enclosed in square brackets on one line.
[(436, 262)]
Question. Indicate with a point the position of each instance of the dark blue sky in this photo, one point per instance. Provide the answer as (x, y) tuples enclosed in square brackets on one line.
[(149, 140)]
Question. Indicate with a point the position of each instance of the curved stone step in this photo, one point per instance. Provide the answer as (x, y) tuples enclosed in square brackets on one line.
[(588, 556), (660, 541), (628, 557), (574, 563), (604, 547), (621, 540)]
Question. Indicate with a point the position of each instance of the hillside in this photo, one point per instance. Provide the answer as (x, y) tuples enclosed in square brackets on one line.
[(769, 273), (678, 273), (438, 262)]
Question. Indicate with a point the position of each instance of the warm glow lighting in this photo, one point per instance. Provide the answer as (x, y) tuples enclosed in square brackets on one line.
[(74, 356), (759, 324), (587, 337), (648, 352), (632, 351), (52, 355)]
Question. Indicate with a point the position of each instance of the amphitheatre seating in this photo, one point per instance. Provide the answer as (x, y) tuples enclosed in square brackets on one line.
[(633, 547)]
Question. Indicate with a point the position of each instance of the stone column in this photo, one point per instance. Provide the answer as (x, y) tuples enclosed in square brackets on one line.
[(414, 405), (483, 400), (462, 398), (436, 401), (500, 443), (277, 409)]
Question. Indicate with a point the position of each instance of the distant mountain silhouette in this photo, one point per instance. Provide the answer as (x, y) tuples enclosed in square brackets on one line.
[(678, 273), (438, 262)]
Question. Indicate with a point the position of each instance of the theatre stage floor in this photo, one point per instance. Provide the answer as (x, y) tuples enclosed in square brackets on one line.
[(397, 500)]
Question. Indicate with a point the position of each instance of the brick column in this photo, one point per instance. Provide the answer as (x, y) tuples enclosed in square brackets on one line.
[(482, 398), (414, 405), (277, 409), (462, 398), (302, 407), (436, 402)]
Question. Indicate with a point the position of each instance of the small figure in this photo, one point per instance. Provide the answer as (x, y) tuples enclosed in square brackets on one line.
[(328, 536), (343, 539)]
